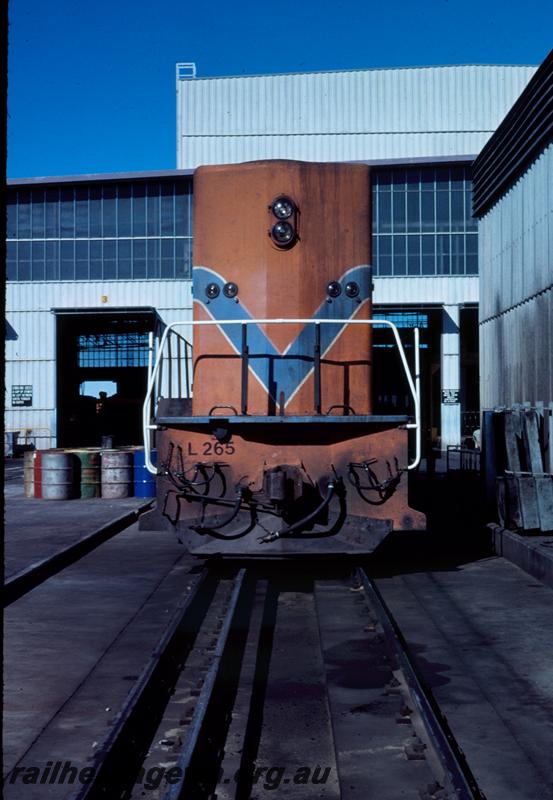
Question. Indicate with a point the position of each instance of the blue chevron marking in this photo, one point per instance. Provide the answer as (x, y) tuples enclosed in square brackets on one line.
[(275, 373)]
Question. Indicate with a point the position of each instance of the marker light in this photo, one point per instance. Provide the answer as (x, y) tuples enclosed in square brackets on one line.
[(352, 289), (230, 289), (212, 291), (333, 289)]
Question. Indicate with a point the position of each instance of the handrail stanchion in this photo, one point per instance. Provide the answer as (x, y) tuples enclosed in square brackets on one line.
[(244, 355), (148, 410), (417, 425), (179, 375), (187, 349), (317, 368), (169, 367)]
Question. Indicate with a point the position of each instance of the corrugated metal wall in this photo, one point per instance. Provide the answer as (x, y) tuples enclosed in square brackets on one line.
[(516, 291), (31, 339), (435, 290), (342, 116)]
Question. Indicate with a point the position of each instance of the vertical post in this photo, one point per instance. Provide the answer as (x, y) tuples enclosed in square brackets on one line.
[(170, 367), (159, 378), (179, 375), (317, 369), (418, 411), (150, 369), (451, 369), (244, 357), (187, 350)]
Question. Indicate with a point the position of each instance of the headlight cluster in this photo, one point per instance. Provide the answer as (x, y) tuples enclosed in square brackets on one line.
[(212, 290), (334, 289), (283, 232)]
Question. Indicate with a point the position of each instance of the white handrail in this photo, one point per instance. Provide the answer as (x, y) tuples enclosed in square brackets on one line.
[(414, 386), (417, 424)]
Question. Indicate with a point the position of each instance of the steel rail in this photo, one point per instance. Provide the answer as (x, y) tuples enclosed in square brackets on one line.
[(123, 750), (198, 723), (452, 758)]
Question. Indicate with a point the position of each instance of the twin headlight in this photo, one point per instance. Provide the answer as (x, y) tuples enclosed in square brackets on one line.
[(284, 231), (334, 289), (212, 290), (284, 234)]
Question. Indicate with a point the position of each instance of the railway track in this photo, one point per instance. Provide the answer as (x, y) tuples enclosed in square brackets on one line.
[(269, 678)]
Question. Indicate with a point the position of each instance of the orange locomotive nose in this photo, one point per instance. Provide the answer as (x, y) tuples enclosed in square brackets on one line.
[(281, 454), (263, 228)]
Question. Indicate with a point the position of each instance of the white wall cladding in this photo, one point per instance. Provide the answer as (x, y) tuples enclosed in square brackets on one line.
[(516, 355), (437, 290), (22, 296), (516, 290), (31, 348), (338, 116)]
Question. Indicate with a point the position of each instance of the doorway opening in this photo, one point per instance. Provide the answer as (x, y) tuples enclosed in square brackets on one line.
[(102, 371)]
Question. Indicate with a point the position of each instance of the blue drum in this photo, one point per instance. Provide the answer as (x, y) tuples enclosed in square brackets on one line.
[(144, 481)]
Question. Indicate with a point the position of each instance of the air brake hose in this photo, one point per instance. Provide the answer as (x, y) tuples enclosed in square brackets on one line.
[(234, 512), (270, 537)]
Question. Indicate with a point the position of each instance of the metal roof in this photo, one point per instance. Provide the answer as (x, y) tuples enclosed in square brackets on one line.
[(522, 136), (179, 173), (357, 115), (102, 177), (197, 77)]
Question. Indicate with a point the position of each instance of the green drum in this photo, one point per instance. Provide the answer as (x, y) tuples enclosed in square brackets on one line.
[(89, 469)]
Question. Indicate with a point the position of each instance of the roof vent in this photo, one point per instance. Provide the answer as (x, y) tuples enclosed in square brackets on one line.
[(186, 70)]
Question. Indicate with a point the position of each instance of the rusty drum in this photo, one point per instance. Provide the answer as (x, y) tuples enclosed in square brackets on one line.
[(38, 473), (117, 474), (29, 473)]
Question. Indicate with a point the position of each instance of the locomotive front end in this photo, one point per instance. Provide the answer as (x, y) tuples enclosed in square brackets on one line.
[(273, 448)]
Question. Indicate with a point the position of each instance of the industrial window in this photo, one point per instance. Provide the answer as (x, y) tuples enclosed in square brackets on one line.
[(67, 213), (24, 215), (404, 319), (113, 350), (422, 223), (11, 218), (117, 231)]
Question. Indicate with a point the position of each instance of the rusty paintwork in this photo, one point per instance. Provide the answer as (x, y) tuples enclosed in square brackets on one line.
[(319, 453)]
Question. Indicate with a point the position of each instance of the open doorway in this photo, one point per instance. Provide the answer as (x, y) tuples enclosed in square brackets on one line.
[(102, 371), (390, 391)]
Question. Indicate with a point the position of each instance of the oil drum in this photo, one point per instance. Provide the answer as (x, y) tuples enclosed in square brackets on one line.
[(58, 476), (89, 468), (117, 474), (29, 473), (38, 472), (144, 481)]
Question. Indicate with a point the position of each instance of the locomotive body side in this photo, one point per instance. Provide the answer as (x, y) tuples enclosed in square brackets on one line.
[(281, 453)]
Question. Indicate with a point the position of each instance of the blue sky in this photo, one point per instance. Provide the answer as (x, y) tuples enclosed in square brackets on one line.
[(92, 84)]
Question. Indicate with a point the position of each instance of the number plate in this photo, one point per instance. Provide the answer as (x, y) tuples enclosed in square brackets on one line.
[(210, 448)]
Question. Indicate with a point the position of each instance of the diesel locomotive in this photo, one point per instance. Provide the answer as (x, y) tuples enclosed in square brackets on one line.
[(267, 444)]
